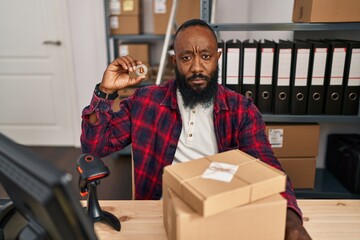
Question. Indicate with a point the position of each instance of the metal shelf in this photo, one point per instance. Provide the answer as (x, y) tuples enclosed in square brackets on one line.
[(286, 26), (138, 38), (326, 186), (311, 118)]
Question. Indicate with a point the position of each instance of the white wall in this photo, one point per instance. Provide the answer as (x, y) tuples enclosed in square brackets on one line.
[(254, 11), (87, 25)]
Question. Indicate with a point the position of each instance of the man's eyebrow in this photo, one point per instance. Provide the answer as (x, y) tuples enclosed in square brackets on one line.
[(187, 51)]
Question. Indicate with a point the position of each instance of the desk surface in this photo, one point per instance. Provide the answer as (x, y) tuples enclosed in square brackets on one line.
[(324, 219)]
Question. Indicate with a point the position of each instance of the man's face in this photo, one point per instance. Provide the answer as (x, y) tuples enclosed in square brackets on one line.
[(196, 56), (196, 64)]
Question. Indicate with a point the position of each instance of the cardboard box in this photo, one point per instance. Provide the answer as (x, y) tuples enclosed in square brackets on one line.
[(125, 7), (301, 171), (263, 219), (187, 9), (326, 11), (294, 140), (125, 24), (252, 180), (139, 51)]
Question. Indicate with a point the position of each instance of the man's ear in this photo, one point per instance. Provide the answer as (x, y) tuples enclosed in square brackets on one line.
[(219, 54), (173, 59)]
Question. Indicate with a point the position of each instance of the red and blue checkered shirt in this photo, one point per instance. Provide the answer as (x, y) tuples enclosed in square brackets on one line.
[(150, 120)]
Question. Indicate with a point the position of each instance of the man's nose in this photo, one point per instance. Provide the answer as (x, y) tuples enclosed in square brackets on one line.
[(196, 66)]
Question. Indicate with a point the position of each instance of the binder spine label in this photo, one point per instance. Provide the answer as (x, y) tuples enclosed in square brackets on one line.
[(337, 69), (319, 66), (354, 74), (232, 68), (249, 66), (302, 67), (284, 67), (267, 60)]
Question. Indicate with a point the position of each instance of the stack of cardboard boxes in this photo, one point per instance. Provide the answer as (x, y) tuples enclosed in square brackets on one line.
[(296, 147), (230, 195), (125, 17)]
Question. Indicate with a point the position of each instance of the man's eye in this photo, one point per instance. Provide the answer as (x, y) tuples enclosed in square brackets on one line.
[(206, 56), (186, 58)]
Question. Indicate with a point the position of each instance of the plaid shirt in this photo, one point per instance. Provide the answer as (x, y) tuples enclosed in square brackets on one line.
[(150, 120)]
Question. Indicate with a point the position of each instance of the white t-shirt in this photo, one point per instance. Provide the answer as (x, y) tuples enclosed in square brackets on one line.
[(197, 138)]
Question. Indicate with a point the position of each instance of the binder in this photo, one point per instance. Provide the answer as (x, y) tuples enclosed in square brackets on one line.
[(265, 68), (299, 77), (282, 74), (316, 94), (334, 78), (248, 84), (352, 79), (232, 59), (221, 62)]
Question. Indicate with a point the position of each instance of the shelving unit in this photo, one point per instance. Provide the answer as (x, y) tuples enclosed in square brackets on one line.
[(112, 40), (326, 185)]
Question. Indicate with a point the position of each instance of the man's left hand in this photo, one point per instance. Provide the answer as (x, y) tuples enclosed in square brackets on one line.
[(294, 227)]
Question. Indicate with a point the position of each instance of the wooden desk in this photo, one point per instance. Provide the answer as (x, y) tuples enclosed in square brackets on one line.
[(324, 219)]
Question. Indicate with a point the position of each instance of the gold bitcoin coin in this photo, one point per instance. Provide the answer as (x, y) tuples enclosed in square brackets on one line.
[(141, 70)]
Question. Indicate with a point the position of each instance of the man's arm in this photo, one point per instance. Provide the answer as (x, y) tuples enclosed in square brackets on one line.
[(255, 142), (104, 132)]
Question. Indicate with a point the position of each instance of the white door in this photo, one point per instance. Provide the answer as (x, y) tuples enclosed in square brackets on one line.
[(37, 89)]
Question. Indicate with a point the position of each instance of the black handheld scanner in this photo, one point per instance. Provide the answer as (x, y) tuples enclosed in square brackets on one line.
[(91, 169)]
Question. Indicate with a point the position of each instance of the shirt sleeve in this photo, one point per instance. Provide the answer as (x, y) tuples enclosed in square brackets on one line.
[(109, 134), (255, 142)]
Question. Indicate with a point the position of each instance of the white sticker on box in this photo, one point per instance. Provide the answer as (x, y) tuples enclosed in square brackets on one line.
[(223, 172), (160, 6), (115, 7), (123, 50), (114, 22), (276, 137), (129, 5)]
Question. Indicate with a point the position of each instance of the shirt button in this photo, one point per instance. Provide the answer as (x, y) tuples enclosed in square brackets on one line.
[(191, 123), (190, 135), (193, 111)]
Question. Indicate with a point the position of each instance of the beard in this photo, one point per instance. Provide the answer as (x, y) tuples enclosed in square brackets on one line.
[(193, 97)]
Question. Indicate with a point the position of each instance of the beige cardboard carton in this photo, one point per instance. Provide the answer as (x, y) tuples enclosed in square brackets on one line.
[(252, 180), (326, 11), (125, 24), (301, 171), (262, 219), (186, 9), (294, 140)]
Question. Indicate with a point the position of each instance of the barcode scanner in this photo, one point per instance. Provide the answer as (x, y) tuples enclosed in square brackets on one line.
[(91, 170)]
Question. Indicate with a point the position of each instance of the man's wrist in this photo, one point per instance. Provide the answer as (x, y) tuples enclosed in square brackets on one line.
[(104, 94)]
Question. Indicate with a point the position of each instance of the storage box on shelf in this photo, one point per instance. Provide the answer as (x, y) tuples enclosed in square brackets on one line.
[(326, 11), (296, 147), (125, 16)]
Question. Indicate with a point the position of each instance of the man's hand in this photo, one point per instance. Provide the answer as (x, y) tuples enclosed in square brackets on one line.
[(116, 75), (294, 227)]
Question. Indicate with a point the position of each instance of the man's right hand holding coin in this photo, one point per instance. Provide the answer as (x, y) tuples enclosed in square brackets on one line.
[(117, 75)]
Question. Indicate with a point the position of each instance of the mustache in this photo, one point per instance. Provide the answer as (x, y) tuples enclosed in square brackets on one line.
[(197, 76)]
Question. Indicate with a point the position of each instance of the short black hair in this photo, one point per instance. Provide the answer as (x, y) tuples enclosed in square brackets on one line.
[(195, 22)]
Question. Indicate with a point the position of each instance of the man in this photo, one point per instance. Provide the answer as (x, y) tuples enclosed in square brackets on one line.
[(187, 118)]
